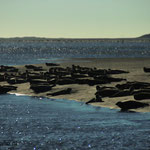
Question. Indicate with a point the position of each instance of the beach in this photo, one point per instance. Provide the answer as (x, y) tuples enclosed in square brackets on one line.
[(85, 92)]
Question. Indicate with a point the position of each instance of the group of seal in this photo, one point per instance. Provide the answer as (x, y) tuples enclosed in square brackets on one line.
[(139, 90), (43, 80)]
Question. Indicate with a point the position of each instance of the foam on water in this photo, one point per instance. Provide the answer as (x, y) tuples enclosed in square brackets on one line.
[(18, 94)]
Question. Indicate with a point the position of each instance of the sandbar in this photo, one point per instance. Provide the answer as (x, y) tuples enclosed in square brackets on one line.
[(85, 92)]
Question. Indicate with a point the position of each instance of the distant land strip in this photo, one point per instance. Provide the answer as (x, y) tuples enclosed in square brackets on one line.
[(143, 38)]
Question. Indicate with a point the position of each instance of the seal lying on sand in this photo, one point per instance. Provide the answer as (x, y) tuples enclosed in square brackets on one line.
[(4, 89), (39, 88), (62, 92), (146, 69), (130, 105), (51, 64), (97, 99), (133, 85), (142, 95)]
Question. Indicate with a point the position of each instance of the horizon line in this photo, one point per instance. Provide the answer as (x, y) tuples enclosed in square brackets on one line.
[(13, 37)]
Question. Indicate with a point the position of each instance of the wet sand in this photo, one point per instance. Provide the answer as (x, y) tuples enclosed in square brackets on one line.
[(85, 92)]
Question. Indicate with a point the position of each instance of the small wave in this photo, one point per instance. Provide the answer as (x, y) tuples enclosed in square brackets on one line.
[(18, 94)]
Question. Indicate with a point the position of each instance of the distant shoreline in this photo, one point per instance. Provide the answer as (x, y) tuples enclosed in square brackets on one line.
[(143, 38)]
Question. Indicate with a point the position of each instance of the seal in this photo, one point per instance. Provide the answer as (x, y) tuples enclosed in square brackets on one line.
[(130, 105)]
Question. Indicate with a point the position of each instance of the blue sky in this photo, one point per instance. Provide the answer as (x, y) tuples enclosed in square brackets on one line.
[(74, 18)]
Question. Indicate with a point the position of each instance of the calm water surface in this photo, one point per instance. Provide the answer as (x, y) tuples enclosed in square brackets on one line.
[(39, 124)]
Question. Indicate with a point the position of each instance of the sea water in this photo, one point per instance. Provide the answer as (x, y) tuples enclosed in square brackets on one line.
[(14, 53), (31, 123), (46, 124)]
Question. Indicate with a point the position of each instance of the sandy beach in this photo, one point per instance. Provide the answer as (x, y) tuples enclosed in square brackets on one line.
[(85, 92)]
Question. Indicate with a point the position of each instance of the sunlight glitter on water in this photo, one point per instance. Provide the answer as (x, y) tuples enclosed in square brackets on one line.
[(29, 122)]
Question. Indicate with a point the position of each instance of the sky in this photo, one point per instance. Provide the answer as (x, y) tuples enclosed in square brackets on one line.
[(74, 18)]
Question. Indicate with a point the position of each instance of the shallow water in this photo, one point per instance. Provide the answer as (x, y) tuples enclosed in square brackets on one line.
[(39, 123)]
